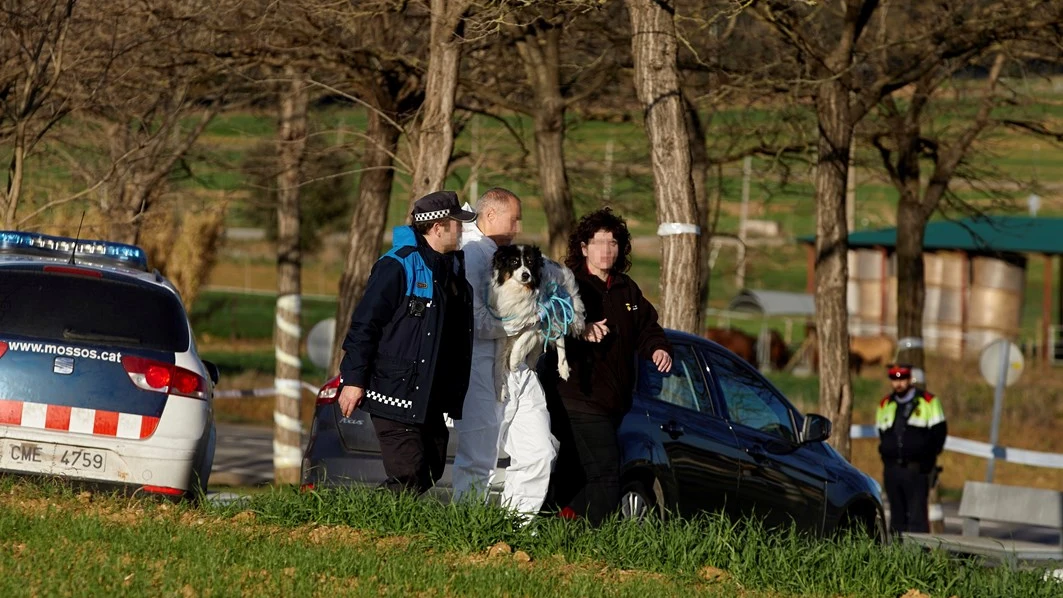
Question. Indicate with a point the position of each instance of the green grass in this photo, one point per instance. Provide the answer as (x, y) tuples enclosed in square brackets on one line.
[(81, 553), (286, 543), (239, 316), (231, 363)]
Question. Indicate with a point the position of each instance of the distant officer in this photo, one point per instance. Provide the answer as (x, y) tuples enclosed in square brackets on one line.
[(912, 430)]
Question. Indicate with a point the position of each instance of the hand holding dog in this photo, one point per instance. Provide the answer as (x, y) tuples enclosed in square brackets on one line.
[(662, 360), (350, 398), (595, 332)]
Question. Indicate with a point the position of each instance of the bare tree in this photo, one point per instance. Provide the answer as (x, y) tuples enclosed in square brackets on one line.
[(850, 69), (370, 214), (903, 147), (158, 95), (35, 59), (907, 139), (831, 50), (147, 142), (433, 135), (566, 60), (287, 437), (382, 77), (540, 51), (653, 44)]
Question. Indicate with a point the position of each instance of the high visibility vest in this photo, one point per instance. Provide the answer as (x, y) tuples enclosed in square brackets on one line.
[(928, 412)]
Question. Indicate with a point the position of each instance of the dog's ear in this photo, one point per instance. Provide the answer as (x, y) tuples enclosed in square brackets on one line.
[(535, 261), (498, 264)]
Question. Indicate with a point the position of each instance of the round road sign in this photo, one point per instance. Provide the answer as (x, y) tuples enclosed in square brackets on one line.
[(319, 342), (989, 362)]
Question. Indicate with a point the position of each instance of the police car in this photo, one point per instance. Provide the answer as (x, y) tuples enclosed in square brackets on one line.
[(100, 382)]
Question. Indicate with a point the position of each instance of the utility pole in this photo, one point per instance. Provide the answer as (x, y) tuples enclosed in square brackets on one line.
[(850, 188), (740, 273)]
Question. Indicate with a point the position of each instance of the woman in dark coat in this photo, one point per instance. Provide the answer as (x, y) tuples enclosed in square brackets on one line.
[(588, 407)]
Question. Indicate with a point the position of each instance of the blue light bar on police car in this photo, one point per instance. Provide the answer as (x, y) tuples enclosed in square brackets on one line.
[(122, 254)]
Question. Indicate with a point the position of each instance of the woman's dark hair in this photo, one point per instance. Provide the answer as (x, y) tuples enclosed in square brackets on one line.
[(600, 220)]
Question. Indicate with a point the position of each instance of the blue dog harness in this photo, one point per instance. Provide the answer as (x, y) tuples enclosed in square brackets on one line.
[(556, 312)]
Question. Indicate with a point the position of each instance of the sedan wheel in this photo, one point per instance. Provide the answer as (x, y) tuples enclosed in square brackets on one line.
[(635, 502)]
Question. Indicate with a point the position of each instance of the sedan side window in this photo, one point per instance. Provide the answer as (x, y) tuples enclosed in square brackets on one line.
[(751, 401), (684, 386)]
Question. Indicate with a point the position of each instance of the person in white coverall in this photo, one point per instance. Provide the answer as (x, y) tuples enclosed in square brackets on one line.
[(520, 425)]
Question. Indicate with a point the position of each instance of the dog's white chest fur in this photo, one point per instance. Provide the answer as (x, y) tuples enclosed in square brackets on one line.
[(521, 277)]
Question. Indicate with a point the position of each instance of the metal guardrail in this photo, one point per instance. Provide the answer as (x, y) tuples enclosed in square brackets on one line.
[(980, 449), (258, 392)]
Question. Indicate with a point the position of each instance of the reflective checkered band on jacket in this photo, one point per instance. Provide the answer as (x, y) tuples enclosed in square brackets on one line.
[(425, 216), (385, 399)]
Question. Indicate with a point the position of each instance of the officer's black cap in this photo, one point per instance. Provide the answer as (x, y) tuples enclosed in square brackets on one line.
[(438, 205)]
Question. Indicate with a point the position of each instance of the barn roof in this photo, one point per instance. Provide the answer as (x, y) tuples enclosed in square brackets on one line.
[(773, 303), (979, 234)]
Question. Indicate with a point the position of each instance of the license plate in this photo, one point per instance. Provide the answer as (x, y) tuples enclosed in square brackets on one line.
[(57, 458)]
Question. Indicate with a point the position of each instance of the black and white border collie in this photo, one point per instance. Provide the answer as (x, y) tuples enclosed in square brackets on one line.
[(521, 279)]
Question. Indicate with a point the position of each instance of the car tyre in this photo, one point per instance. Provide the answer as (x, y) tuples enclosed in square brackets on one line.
[(637, 502)]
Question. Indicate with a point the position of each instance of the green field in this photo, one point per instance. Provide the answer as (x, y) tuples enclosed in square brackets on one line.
[(369, 543)]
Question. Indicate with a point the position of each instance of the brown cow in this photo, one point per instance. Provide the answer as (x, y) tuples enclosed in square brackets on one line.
[(737, 341), (778, 351), (863, 350), (873, 350)]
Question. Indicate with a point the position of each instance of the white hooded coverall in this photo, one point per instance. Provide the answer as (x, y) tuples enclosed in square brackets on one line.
[(521, 425)]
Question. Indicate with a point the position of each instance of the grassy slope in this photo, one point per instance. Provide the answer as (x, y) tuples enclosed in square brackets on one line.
[(53, 542)]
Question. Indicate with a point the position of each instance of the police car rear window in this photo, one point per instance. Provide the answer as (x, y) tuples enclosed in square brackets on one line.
[(91, 310)]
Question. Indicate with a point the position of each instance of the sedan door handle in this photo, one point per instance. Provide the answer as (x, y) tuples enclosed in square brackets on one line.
[(673, 429)]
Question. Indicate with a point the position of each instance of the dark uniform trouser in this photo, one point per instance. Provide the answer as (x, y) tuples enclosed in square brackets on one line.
[(414, 454), (907, 490), (586, 477)]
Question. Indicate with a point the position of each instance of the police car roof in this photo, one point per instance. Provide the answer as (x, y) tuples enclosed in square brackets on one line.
[(22, 261)]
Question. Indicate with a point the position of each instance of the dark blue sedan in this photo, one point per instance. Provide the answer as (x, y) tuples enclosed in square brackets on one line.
[(711, 435)]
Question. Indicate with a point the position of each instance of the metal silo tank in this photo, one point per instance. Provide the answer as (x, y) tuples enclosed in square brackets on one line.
[(932, 299), (868, 276), (950, 316), (995, 308)]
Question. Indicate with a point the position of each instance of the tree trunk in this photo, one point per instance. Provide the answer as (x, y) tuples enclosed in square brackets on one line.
[(917, 203), (287, 431), (699, 170), (434, 136), (367, 223), (15, 174), (832, 244), (540, 51), (911, 283), (653, 45), (124, 220)]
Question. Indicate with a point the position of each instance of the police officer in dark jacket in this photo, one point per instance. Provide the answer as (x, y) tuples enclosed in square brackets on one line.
[(408, 351), (912, 430)]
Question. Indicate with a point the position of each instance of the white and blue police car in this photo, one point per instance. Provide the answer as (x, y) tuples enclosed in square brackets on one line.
[(100, 382)]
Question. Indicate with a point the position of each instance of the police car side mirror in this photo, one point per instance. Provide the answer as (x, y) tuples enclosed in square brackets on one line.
[(815, 429), (212, 371)]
